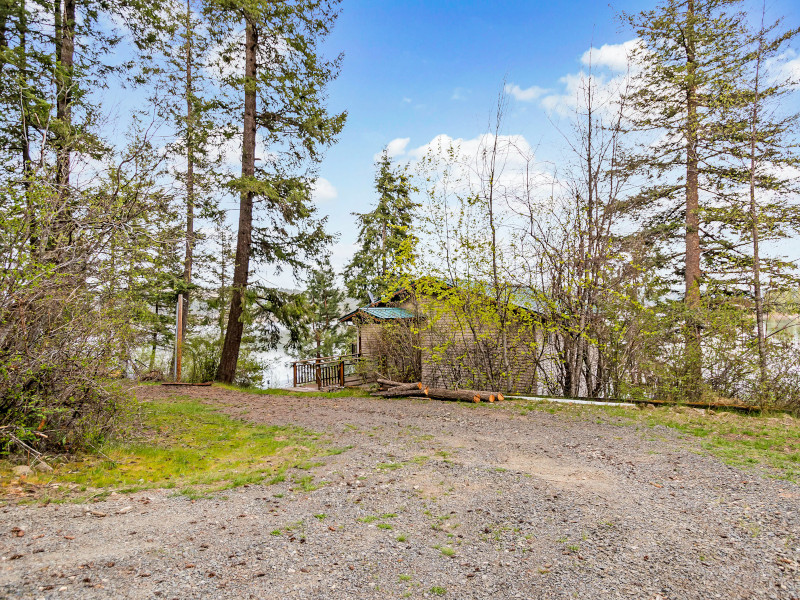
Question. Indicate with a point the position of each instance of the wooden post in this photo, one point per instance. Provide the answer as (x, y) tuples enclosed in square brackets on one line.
[(341, 373), (178, 337), (319, 376), (294, 372)]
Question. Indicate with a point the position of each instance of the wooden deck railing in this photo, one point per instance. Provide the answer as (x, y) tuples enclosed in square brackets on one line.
[(327, 371)]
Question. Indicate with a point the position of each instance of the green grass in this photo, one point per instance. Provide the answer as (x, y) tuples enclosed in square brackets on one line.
[(438, 590), (403, 577), (373, 518), (185, 445), (307, 483), (346, 393), (368, 519), (446, 551), (389, 466), (767, 440)]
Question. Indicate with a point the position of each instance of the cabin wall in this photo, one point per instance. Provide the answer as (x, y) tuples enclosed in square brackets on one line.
[(453, 347), (466, 351), (391, 349)]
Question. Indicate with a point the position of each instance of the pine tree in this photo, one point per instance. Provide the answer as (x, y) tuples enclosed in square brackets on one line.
[(184, 98), (285, 72), (324, 304), (690, 57), (384, 234), (762, 152)]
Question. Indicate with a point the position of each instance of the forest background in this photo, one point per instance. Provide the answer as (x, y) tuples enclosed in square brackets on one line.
[(655, 242)]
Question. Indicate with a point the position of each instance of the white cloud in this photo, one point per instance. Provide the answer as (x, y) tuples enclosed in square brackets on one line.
[(459, 94), (406, 99), (515, 168), (525, 95), (617, 71), (324, 191), (615, 57), (231, 152), (791, 68), (395, 148)]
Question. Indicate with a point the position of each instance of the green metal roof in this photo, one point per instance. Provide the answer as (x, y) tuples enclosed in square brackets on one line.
[(383, 312), (380, 312)]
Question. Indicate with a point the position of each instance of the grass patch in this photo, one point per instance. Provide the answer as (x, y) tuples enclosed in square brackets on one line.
[(183, 444), (368, 519), (767, 440), (307, 483), (388, 466)]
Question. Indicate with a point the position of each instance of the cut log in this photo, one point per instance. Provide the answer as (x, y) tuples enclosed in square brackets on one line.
[(464, 395), (406, 386), (389, 383), (396, 392)]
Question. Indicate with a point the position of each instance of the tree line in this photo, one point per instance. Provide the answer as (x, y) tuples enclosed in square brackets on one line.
[(646, 255), (111, 213), (647, 262)]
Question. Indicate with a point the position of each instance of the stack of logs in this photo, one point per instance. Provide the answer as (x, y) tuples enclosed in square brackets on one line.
[(390, 389)]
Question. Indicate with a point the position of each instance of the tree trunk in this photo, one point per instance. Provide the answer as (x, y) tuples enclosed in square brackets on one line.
[(187, 263), (5, 11), (693, 352), (65, 54), (759, 300), (154, 343), (233, 334)]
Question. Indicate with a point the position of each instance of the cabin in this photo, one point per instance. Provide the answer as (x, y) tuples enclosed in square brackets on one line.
[(452, 337)]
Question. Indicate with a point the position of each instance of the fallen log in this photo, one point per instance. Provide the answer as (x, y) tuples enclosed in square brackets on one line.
[(400, 391), (463, 395), (406, 386), (389, 383)]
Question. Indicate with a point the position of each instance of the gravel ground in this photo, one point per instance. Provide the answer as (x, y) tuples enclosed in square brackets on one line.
[(431, 500)]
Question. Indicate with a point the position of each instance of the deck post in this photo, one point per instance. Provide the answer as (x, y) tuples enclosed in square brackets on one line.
[(294, 373), (341, 373)]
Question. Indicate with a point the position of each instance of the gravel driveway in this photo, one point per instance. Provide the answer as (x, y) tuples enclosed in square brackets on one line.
[(431, 499)]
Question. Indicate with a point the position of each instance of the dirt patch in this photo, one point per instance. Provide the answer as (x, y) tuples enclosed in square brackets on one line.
[(567, 476)]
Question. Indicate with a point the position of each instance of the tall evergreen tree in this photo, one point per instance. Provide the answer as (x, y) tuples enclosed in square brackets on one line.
[(762, 154), (384, 234), (690, 57), (324, 304), (184, 97), (283, 92)]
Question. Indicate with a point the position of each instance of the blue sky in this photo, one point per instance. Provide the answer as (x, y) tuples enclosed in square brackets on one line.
[(415, 70)]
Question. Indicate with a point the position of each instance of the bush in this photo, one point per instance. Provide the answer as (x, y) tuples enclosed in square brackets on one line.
[(61, 329)]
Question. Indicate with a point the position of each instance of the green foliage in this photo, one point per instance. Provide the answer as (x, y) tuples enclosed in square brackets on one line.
[(185, 445), (384, 235), (706, 107), (65, 315), (320, 333), (294, 126)]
